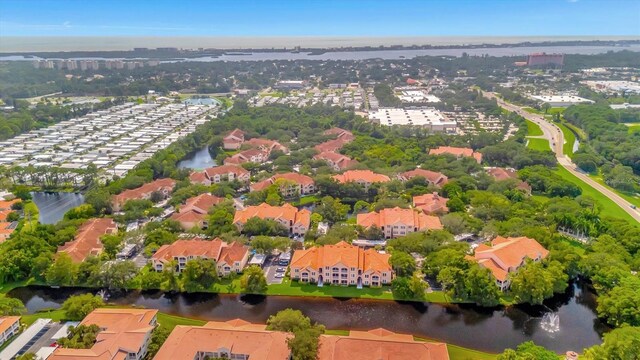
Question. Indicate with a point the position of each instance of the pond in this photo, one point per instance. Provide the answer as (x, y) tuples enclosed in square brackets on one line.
[(485, 329), (53, 205), (198, 160)]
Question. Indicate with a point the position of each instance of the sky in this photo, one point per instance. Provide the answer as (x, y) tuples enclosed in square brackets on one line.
[(319, 18)]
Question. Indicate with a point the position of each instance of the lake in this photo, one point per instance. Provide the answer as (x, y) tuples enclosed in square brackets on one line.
[(53, 205), (198, 160), (485, 329), (380, 54)]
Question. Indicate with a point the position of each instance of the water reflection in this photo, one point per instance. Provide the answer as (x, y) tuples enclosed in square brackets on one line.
[(53, 205), (489, 329), (198, 160)]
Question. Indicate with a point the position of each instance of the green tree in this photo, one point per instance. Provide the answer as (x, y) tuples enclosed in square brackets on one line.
[(528, 351), (116, 275), (266, 244), (10, 306), (481, 287), (621, 305), (332, 210), (257, 226), (76, 307), (63, 271), (111, 244), (158, 337), (531, 284), (305, 343), (288, 320), (80, 337), (253, 280), (620, 344), (403, 263), (199, 275), (27, 356)]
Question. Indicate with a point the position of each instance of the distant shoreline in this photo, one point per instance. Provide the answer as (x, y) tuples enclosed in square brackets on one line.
[(33, 45)]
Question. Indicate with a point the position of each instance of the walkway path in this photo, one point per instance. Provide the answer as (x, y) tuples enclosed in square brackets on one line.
[(556, 139)]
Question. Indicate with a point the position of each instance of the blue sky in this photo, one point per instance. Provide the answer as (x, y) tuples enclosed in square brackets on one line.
[(319, 18)]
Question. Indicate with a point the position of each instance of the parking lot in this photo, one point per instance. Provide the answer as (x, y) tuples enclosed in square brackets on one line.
[(274, 272)]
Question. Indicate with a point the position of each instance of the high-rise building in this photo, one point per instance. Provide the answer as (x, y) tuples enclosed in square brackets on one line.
[(544, 59)]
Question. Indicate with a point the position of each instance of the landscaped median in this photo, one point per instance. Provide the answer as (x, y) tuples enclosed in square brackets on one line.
[(607, 206)]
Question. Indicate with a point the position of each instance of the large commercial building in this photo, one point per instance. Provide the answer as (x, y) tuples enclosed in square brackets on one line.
[(427, 117), (544, 59), (561, 100)]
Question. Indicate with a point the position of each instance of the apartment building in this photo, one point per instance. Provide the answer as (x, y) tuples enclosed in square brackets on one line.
[(291, 184), (341, 264), (233, 140), (87, 240), (507, 255), (195, 211), (433, 178), (457, 152), (362, 177), (431, 203), (337, 162), (218, 174), (379, 344), (296, 221), (234, 339), (502, 174), (162, 186), (228, 257), (124, 334), (397, 222), (9, 326)]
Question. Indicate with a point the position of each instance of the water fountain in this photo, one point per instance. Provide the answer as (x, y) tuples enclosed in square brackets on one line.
[(550, 322), (103, 294)]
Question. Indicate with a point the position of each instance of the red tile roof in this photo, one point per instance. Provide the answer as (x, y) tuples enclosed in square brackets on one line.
[(236, 336), (457, 152), (341, 253), (341, 161), (87, 240), (265, 211), (145, 190), (210, 249), (123, 331), (431, 203), (433, 177), (407, 217), (367, 176), (505, 254), (379, 344), (300, 179)]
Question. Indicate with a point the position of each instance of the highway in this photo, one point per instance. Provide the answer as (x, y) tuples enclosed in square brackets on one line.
[(556, 140)]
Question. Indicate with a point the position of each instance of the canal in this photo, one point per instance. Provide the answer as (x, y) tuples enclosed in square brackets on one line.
[(53, 205), (198, 160), (485, 329)]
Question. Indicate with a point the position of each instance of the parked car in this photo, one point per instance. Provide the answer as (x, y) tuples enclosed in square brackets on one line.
[(281, 270), (279, 276)]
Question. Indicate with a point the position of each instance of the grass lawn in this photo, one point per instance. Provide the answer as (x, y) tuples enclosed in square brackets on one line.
[(533, 129), (306, 200), (570, 139), (607, 206), (633, 127), (171, 321), (461, 353), (630, 198), (538, 144), (55, 315), (581, 134), (294, 288)]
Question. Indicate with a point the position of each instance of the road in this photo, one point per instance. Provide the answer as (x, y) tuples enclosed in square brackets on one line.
[(556, 139)]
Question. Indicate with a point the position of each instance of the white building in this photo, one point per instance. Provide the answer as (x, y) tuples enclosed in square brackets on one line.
[(430, 118), (561, 100)]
